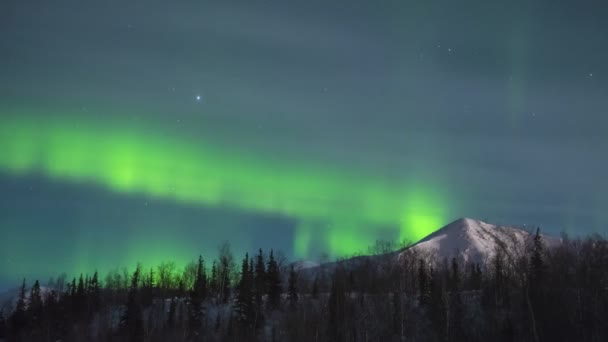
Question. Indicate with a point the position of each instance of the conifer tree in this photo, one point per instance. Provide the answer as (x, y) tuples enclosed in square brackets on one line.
[(19, 317), (535, 295), (260, 278), (273, 281), (536, 261), (87, 284), (79, 300), (3, 328), (197, 297), (147, 288), (132, 319), (94, 293), (55, 315), (213, 282), (35, 308), (244, 300), (225, 269), (292, 287), (72, 288)]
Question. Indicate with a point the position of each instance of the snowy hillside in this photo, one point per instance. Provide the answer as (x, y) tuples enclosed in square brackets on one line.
[(474, 241)]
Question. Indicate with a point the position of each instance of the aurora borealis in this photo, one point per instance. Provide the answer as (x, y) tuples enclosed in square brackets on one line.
[(127, 161), (150, 131)]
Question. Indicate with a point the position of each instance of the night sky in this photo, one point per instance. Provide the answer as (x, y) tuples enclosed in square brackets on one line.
[(154, 130)]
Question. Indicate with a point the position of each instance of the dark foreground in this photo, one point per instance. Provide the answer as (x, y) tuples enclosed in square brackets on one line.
[(539, 294)]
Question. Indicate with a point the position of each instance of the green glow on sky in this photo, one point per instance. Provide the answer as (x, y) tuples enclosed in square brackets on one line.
[(421, 214), (339, 208)]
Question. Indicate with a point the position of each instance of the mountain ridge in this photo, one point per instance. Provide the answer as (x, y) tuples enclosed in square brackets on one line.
[(474, 241)]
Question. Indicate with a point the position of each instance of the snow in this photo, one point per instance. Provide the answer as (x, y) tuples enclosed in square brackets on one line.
[(304, 264), (474, 241)]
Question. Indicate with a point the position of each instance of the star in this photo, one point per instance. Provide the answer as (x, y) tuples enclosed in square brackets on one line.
[(590, 74), (198, 97)]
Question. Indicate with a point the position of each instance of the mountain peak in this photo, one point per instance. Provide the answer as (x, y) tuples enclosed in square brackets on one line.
[(470, 239)]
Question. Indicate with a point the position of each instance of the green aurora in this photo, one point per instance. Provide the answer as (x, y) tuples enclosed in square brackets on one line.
[(342, 209)]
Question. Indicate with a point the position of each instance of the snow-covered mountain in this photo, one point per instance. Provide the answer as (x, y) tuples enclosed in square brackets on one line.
[(468, 239), (304, 264), (474, 241)]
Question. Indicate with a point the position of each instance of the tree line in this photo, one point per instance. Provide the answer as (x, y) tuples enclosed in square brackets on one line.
[(537, 294)]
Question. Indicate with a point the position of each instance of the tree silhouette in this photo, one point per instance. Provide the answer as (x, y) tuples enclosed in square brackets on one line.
[(225, 269), (3, 328), (35, 309), (273, 281), (243, 305), (197, 297), (260, 278), (132, 319), (19, 316), (292, 287)]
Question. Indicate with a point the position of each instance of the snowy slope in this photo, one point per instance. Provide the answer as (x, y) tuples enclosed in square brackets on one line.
[(474, 241), (304, 264)]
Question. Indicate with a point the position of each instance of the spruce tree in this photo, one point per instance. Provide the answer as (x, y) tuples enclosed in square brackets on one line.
[(71, 299), (80, 298), (55, 315), (3, 329), (536, 287), (273, 282), (213, 282), (132, 319), (94, 294), (224, 272), (147, 290), (537, 266), (87, 284), (244, 300), (19, 317), (197, 297), (260, 278), (256, 305), (72, 289), (292, 287), (35, 308)]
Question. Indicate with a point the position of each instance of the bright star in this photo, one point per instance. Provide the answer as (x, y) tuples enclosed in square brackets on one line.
[(198, 97)]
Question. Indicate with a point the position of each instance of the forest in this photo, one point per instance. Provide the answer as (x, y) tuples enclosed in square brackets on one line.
[(538, 294)]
